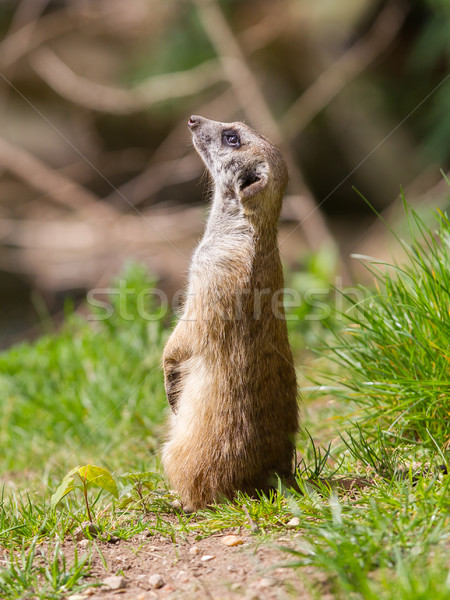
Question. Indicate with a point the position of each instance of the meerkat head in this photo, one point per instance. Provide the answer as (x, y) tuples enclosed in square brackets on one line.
[(244, 164)]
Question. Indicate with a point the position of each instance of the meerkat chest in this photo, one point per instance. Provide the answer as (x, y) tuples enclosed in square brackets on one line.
[(220, 274), (223, 258)]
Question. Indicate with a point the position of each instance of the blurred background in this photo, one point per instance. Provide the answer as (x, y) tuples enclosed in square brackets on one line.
[(96, 164)]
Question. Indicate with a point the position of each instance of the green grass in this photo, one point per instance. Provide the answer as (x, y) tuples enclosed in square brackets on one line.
[(47, 577), (394, 353), (92, 392), (366, 542), (79, 393)]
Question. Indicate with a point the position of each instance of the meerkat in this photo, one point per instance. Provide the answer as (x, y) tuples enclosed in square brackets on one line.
[(228, 367)]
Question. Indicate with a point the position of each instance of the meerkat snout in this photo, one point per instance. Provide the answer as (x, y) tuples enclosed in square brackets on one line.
[(193, 121), (228, 368)]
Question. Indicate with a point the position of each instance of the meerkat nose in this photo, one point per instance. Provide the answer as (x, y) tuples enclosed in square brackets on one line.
[(193, 121)]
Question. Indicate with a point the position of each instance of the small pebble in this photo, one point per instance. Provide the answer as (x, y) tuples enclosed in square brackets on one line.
[(113, 539), (294, 522), (156, 581), (194, 550), (266, 582), (84, 529), (83, 543), (207, 557), (115, 582), (231, 540), (231, 568)]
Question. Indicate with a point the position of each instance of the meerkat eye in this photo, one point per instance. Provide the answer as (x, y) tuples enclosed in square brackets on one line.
[(231, 138)]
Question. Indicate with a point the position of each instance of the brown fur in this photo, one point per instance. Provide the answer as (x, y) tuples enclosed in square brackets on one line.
[(228, 365)]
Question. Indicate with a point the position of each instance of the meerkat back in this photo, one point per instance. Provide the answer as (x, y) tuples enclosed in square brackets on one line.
[(228, 366)]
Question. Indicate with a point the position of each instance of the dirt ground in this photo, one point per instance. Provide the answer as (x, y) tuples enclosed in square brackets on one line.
[(202, 569)]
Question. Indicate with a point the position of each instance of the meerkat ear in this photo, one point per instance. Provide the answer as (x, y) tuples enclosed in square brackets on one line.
[(252, 181)]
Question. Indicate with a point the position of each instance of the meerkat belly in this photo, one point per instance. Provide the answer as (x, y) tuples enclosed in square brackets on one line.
[(196, 401), (203, 405), (198, 457), (220, 422)]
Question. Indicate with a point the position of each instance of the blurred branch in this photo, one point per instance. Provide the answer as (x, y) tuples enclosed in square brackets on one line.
[(60, 254), (156, 177), (269, 28), (18, 42), (83, 235), (27, 11), (110, 163), (96, 96), (32, 35), (75, 15), (53, 184), (351, 64)]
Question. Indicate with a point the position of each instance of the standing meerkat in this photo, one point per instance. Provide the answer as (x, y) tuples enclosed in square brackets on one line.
[(228, 366)]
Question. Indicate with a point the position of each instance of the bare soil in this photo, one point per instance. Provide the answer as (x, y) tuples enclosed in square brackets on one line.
[(203, 569)]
